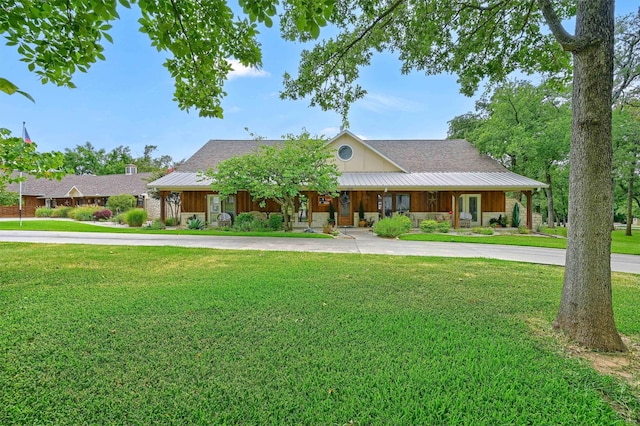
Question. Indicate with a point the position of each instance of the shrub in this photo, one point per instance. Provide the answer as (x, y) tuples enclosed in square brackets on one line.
[(61, 211), (83, 214), (135, 217), (523, 230), (392, 227), (102, 214), (482, 231), (428, 226), (443, 227), (515, 217), (170, 221), (275, 221), (155, 225), (119, 219), (121, 203), (195, 222), (43, 212), (244, 222)]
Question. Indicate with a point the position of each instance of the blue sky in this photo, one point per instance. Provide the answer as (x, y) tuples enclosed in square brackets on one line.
[(127, 100)]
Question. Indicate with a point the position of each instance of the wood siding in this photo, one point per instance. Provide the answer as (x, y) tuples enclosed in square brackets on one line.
[(421, 201)]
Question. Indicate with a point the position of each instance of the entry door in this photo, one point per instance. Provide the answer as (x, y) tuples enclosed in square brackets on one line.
[(229, 205), (345, 212), (219, 205), (470, 204), (213, 201)]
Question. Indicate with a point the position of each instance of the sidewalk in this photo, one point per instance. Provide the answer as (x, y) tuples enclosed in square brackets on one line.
[(352, 240)]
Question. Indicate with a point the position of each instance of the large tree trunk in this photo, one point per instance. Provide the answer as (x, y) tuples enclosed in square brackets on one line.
[(586, 312), (630, 203), (550, 220)]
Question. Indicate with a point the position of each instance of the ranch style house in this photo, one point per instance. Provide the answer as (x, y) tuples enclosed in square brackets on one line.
[(445, 180)]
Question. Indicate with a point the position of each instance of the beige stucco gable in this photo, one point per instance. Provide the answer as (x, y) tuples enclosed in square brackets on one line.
[(363, 158)]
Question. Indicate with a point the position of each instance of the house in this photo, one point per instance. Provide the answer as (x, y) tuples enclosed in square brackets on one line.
[(423, 179), (80, 190)]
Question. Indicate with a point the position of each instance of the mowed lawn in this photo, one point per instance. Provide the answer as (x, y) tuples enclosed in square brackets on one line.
[(159, 335)]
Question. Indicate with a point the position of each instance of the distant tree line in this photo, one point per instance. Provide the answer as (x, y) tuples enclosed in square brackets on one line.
[(89, 160)]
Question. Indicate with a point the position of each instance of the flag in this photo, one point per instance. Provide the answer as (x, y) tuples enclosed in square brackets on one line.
[(27, 139)]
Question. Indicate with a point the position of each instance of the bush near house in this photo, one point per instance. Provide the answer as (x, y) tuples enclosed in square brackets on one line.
[(102, 214), (443, 227), (135, 217), (83, 214), (392, 227), (44, 212), (121, 203), (275, 221), (482, 231), (430, 226), (62, 211)]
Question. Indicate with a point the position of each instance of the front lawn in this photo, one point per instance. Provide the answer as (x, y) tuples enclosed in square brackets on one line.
[(73, 226), (161, 335)]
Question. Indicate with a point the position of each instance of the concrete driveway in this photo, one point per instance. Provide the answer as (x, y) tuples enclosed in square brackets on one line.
[(356, 241)]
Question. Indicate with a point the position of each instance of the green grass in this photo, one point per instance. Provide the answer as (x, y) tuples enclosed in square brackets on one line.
[(620, 242), (148, 335), (73, 226)]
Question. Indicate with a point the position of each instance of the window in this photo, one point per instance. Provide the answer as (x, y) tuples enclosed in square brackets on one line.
[(345, 152), (403, 203)]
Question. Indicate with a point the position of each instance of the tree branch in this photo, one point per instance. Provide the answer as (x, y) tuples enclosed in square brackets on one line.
[(568, 42), (366, 31)]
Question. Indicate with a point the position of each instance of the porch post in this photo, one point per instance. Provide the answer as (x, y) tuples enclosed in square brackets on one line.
[(162, 206), (309, 209), (529, 210), (456, 214)]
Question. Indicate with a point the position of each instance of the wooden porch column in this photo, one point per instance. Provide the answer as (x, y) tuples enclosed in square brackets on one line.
[(529, 210), (456, 213), (162, 206), (309, 209)]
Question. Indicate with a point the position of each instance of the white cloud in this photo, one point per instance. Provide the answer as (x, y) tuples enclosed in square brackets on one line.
[(382, 103), (239, 70)]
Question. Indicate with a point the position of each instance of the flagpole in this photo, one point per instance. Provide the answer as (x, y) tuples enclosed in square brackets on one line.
[(20, 184)]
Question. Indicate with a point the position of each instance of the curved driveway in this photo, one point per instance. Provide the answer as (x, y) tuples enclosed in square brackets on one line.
[(357, 242)]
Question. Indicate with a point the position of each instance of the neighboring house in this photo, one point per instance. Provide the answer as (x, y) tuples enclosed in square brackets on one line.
[(423, 179), (80, 190)]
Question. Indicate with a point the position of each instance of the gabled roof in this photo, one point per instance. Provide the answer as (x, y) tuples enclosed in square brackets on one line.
[(217, 150), (452, 164), (87, 185), (410, 155)]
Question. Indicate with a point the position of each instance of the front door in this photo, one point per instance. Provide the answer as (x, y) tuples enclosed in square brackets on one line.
[(229, 205), (469, 207), (219, 205), (345, 212)]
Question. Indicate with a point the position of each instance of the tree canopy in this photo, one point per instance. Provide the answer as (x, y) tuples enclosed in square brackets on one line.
[(526, 128), (18, 156), (89, 160), (279, 172), (56, 39)]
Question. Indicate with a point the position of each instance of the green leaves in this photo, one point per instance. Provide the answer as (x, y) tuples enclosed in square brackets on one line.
[(279, 171), (18, 156), (9, 88)]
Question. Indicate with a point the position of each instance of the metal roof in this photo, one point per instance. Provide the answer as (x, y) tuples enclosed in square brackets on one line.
[(181, 181), (505, 180)]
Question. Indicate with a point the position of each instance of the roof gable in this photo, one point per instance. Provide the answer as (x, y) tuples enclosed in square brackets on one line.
[(364, 158)]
